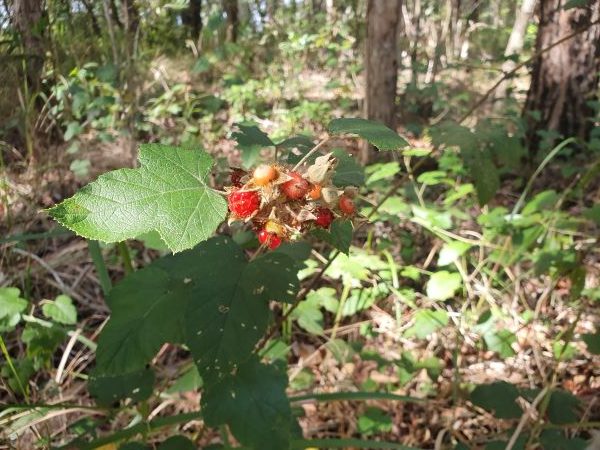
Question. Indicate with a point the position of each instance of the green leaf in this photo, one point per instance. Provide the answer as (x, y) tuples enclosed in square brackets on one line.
[(556, 440), (309, 316), (498, 398), (108, 389), (443, 284), (348, 172), (451, 251), (190, 380), (251, 140), (382, 171), (426, 322), (501, 342), (252, 401), (563, 407), (155, 304), (376, 133), (576, 4), (61, 310), (42, 342), (339, 235), (177, 443), (11, 307), (230, 310), (11, 302), (134, 446), (374, 420), (592, 340), (341, 350), (483, 172), (168, 193)]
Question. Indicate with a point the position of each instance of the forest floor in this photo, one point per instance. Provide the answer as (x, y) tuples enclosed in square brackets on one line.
[(61, 263)]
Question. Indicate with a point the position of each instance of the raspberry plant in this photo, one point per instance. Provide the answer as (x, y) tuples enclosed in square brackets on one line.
[(209, 295)]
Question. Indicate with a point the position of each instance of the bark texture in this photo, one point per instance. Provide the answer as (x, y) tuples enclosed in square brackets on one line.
[(27, 19), (565, 78), (381, 62)]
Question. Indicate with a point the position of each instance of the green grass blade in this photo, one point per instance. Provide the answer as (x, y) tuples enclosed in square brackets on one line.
[(359, 395), (347, 443)]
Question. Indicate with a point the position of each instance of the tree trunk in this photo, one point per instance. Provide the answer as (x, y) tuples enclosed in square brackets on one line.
[(26, 17), (192, 18), (381, 64), (565, 78), (90, 10), (231, 9), (515, 43)]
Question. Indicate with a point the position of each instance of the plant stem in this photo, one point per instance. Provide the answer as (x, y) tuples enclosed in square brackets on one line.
[(126, 257), (101, 270), (13, 370), (338, 314)]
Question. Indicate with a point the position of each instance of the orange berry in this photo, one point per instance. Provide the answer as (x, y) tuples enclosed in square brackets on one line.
[(315, 192), (264, 174)]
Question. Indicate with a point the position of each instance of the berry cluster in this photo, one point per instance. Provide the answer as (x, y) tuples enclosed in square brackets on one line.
[(281, 202)]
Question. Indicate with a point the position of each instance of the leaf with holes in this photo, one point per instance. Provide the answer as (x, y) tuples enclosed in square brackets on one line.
[(168, 193), (376, 133), (232, 311), (108, 389), (253, 402)]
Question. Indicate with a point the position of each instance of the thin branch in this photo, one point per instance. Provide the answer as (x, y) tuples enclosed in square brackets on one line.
[(507, 75)]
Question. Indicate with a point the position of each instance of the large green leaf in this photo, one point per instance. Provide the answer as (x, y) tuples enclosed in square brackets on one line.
[(376, 133), (339, 235), (108, 389), (348, 172), (154, 305), (168, 193), (499, 398), (251, 140), (224, 327), (252, 401)]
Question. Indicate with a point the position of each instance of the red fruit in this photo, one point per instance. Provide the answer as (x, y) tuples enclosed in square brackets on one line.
[(264, 174), (243, 203), (296, 188), (347, 205), (270, 239), (236, 177), (324, 217)]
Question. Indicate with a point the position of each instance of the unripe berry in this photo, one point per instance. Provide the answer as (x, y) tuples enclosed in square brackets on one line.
[(315, 192), (275, 228), (264, 174), (243, 203), (346, 205), (296, 188), (324, 217)]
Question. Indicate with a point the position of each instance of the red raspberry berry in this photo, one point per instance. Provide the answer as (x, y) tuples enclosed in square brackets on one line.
[(347, 205), (243, 204), (270, 239), (324, 217), (296, 188)]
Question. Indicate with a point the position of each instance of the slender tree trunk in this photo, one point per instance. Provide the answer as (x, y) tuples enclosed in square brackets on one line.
[(515, 43), (565, 79), (192, 19), (381, 63), (90, 10), (26, 17), (231, 9), (115, 13)]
